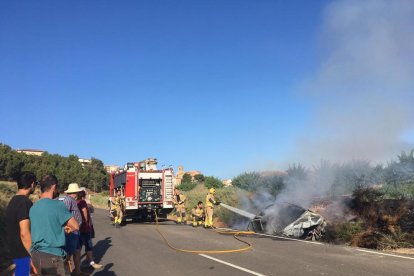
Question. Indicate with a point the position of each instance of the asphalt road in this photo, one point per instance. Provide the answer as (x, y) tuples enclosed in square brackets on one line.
[(138, 249)]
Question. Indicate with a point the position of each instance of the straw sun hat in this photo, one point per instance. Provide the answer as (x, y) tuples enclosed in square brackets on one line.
[(73, 188)]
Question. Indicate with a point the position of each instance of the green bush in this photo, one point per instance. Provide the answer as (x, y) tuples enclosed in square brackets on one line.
[(342, 232), (187, 186), (249, 181), (212, 182), (199, 178), (67, 169), (186, 178), (254, 181), (194, 195), (399, 191), (347, 230)]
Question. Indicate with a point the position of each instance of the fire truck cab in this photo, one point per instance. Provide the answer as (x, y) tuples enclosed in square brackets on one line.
[(146, 190)]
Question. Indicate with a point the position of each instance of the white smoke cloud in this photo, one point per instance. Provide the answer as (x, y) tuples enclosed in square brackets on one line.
[(363, 93), (363, 88)]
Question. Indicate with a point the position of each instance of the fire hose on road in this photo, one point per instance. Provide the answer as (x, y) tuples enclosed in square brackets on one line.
[(234, 233)]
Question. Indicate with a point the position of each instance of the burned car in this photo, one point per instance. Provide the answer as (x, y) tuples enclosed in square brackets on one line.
[(289, 220)]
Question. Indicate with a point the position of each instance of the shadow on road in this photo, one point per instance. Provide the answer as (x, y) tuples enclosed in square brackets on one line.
[(99, 251), (100, 248)]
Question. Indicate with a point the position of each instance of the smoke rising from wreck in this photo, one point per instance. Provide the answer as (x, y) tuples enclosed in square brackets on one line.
[(362, 91), (363, 87)]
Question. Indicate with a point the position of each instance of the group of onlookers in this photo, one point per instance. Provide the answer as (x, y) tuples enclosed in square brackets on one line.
[(44, 236)]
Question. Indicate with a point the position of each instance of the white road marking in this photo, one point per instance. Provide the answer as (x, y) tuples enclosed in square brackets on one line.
[(232, 265), (385, 254)]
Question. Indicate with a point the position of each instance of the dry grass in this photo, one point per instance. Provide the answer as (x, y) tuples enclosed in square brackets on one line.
[(395, 240), (407, 251), (99, 200)]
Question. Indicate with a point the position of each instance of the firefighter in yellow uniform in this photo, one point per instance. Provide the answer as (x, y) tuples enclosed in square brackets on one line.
[(179, 204), (198, 214), (118, 209), (210, 202)]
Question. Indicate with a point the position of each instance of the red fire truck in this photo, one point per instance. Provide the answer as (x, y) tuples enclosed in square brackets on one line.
[(145, 188)]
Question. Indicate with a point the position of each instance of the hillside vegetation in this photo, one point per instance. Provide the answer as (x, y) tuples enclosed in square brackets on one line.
[(67, 169)]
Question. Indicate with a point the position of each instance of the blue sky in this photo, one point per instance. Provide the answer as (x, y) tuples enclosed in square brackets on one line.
[(211, 85)]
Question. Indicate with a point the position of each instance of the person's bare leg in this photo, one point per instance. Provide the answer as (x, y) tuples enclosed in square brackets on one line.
[(71, 267), (76, 260)]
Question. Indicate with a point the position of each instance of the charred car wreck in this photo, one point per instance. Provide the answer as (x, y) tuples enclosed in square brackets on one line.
[(289, 220)]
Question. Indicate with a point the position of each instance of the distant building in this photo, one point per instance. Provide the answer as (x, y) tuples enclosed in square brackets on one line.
[(193, 173), (31, 151), (111, 168), (149, 164), (84, 161), (179, 175), (227, 182)]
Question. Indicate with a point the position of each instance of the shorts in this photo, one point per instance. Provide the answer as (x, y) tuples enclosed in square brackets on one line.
[(86, 240), (72, 243), (22, 266), (48, 264)]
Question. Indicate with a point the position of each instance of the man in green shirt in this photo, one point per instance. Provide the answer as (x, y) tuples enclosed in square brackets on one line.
[(49, 221)]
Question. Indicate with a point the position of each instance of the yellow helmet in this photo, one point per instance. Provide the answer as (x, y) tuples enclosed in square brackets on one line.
[(212, 191)]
